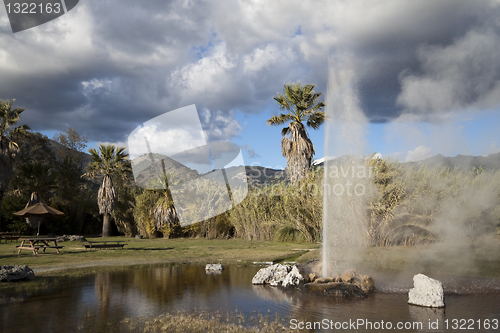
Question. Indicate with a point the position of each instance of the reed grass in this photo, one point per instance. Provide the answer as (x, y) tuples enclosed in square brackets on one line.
[(233, 322), (413, 205)]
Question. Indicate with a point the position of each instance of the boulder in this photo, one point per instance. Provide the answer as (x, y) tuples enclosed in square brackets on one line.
[(272, 275), (214, 267), (349, 276), (293, 278), (426, 292), (366, 283), (16, 273), (72, 238)]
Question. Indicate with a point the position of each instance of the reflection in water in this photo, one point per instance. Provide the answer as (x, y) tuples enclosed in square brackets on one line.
[(98, 303), (426, 315), (103, 290)]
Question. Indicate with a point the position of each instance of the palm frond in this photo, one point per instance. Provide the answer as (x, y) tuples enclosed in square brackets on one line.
[(316, 119), (279, 120)]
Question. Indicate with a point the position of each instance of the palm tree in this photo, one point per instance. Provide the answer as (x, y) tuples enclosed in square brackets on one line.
[(300, 103), (164, 212), (108, 162), (8, 148)]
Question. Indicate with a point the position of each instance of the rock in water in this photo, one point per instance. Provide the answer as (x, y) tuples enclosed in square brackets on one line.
[(426, 292), (273, 275), (16, 273), (214, 267), (293, 278), (336, 289)]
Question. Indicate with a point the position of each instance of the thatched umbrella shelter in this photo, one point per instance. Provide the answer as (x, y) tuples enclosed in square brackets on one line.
[(39, 210)]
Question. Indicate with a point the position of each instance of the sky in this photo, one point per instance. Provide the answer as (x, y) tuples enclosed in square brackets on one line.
[(426, 73)]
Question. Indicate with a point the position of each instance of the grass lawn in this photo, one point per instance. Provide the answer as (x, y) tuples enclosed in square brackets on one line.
[(152, 251)]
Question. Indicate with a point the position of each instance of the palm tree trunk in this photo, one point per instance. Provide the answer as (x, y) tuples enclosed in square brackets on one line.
[(106, 226)]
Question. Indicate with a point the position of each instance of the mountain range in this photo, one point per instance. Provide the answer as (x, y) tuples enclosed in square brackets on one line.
[(258, 175)]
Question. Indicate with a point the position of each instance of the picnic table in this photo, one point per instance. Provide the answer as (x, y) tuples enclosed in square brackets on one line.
[(36, 244), (104, 245), (7, 235)]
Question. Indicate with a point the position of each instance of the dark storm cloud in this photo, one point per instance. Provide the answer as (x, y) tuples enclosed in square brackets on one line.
[(389, 50), (108, 66)]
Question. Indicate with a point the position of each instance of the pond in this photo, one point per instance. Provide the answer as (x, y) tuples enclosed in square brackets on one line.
[(100, 302)]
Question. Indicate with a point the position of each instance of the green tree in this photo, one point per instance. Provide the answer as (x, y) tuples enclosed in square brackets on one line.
[(108, 162), (123, 215), (300, 102), (74, 194), (8, 147)]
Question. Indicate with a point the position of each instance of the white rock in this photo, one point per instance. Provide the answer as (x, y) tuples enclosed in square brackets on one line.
[(273, 275), (293, 278), (426, 292), (214, 267)]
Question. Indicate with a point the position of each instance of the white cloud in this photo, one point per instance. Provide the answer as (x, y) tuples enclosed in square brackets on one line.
[(419, 153), (168, 134), (209, 75), (219, 125), (267, 58)]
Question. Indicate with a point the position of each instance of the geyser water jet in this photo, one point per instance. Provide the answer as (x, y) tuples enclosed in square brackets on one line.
[(347, 183)]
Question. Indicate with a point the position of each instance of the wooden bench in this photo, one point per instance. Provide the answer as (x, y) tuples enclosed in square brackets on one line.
[(104, 245), (11, 238)]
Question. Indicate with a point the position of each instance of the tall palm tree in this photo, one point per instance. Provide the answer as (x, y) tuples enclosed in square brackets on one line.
[(108, 162), (8, 148), (164, 212), (300, 102)]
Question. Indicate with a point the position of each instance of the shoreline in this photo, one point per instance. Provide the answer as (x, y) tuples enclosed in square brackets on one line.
[(75, 261)]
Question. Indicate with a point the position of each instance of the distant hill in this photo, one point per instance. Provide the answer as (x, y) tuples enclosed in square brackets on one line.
[(257, 175), (462, 162), (56, 146), (145, 170)]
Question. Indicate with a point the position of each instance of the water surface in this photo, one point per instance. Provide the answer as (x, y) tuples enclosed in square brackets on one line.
[(99, 303)]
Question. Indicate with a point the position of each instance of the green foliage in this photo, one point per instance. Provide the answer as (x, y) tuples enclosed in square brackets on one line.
[(143, 212), (13, 223), (55, 173), (74, 142), (8, 146), (282, 211), (75, 195), (123, 214)]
